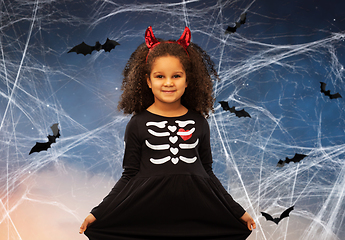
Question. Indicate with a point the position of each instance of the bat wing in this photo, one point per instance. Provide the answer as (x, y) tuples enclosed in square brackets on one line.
[(225, 105), (243, 18), (55, 129), (230, 29), (323, 90), (109, 45), (286, 213), (267, 216), (242, 113), (336, 95), (280, 163), (270, 218), (40, 147), (323, 87), (82, 48), (298, 157)]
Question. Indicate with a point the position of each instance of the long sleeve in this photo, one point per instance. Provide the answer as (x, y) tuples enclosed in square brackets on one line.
[(206, 159), (131, 166)]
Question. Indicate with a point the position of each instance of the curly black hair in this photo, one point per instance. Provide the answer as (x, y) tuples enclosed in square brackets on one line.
[(200, 74)]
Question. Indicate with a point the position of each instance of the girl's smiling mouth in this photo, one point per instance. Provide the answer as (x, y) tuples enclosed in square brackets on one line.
[(168, 91)]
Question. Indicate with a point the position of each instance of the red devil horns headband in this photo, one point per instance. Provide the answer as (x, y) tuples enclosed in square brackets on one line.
[(151, 40)]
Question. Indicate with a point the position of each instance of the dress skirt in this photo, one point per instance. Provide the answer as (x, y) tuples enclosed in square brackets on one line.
[(179, 206)]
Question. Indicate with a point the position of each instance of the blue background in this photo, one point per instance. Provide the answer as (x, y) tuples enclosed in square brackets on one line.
[(272, 67)]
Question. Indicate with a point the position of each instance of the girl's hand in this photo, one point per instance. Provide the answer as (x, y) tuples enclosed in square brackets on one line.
[(87, 222), (249, 221)]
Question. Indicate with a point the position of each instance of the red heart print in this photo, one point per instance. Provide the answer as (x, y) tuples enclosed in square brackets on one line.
[(185, 137)]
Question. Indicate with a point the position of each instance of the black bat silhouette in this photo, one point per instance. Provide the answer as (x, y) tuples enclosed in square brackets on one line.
[(51, 139), (85, 49), (240, 113), (237, 24), (328, 92), (277, 220), (298, 157)]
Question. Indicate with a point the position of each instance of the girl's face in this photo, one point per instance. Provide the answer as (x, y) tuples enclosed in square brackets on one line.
[(167, 80)]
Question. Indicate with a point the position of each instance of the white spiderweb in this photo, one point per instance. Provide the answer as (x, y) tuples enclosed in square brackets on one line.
[(276, 82)]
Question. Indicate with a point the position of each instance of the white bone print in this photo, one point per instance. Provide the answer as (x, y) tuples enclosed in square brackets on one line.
[(173, 139), (157, 124), (174, 150), (174, 160), (172, 128), (158, 134), (157, 147), (161, 160), (186, 133), (188, 160), (184, 123), (189, 146), (170, 133)]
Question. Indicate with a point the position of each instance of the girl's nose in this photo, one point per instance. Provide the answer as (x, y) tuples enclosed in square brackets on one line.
[(168, 82)]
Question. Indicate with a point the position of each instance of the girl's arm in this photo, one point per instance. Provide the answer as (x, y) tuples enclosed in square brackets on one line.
[(98, 211), (131, 166), (206, 159), (236, 208), (127, 174), (87, 222), (249, 221)]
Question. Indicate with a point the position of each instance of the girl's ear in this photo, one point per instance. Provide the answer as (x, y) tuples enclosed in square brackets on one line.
[(148, 80)]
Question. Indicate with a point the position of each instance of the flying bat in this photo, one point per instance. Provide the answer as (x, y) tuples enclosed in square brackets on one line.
[(237, 24), (240, 113), (298, 157), (51, 139), (85, 49), (328, 92), (277, 220)]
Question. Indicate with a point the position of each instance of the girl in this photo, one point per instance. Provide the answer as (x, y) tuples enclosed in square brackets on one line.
[(168, 189)]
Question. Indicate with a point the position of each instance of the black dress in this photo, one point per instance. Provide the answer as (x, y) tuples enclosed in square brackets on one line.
[(168, 189)]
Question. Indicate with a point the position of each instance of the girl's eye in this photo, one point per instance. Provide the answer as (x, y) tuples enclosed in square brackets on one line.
[(177, 76), (159, 76)]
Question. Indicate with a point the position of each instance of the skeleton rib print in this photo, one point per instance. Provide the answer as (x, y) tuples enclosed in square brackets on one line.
[(173, 153)]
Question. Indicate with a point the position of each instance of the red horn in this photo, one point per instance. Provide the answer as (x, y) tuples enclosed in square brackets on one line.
[(184, 40), (150, 38)]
